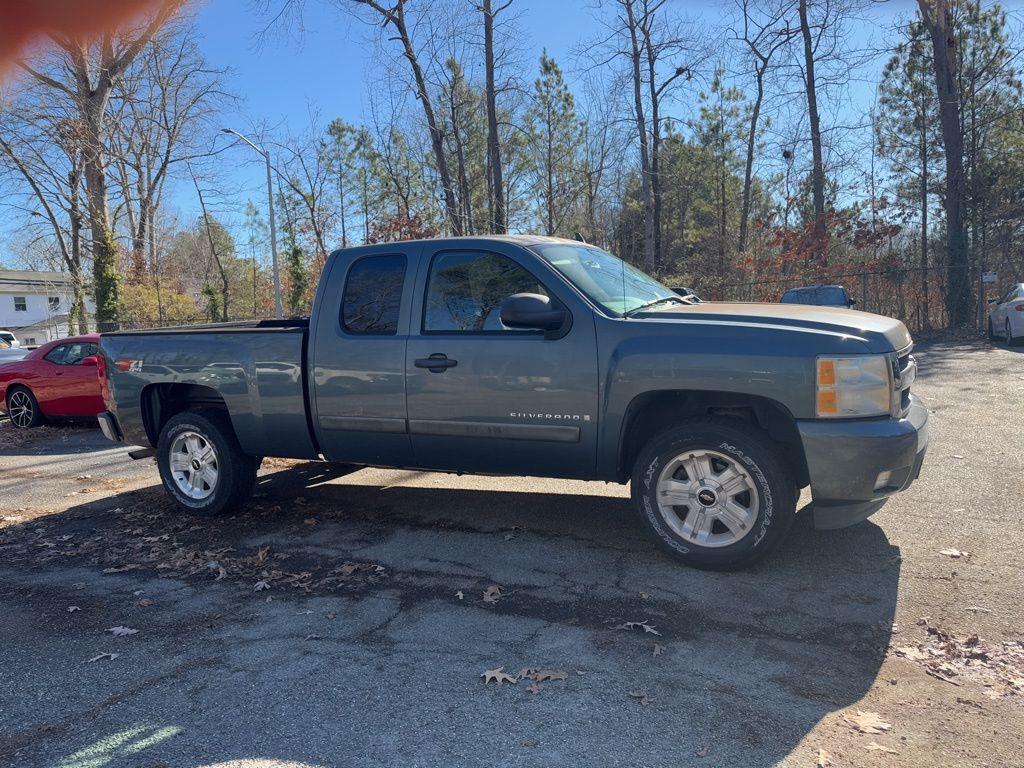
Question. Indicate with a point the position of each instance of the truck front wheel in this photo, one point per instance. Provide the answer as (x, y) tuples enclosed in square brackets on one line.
[(202, 466), (714, 492)]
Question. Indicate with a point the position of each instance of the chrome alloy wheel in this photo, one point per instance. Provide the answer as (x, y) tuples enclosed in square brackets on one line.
[(193, 463), (707, 498), (20, 409)]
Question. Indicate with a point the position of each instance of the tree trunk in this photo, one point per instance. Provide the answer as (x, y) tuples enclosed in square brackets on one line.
[(817, 169), (460, 159), (748, 168), (550, 180), (495, 184), (106, 281), (925, 323), (341, 210), (656, 196), (936, 16), (649, 262), (397, 17)]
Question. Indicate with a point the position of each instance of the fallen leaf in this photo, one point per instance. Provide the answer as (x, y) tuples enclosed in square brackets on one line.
[(459, 594), (122, 631), (104, 655), (875, 747), (314, 637), (310, 521), (644, 596), (146, 602), (493, 593), (641, 697), (630, 625), (868, 722), (824, 759), (702, 752), (213, 565), (542, 675), (913, 653), (954, 553), (498, 676), (73, 608), (534, 687), (259, 586)]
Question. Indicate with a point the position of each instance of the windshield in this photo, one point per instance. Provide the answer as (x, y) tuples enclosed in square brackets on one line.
[(605, 279)]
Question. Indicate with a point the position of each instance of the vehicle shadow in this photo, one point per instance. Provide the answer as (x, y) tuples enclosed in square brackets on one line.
[(749, 662), (65, 435)]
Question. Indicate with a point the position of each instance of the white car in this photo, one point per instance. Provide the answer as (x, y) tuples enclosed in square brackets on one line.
[(8, 339), (1006, 316)]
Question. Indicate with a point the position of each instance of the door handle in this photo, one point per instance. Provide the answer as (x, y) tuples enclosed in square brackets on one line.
[(436, 363)]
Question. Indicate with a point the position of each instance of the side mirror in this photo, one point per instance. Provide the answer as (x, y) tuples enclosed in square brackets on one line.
[(532, 311), (90, 360)]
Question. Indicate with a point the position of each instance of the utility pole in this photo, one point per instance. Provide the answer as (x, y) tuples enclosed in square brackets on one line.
[(273, 229)]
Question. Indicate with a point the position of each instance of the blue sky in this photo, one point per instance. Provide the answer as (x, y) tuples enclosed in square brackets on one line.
[(282, 80)]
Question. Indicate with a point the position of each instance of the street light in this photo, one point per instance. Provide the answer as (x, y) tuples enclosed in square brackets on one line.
[(273, 229)]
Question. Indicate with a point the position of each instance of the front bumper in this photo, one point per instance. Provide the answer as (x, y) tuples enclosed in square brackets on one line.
[(845, 459)]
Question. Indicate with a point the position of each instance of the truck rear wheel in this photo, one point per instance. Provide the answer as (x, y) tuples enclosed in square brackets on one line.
[(714, 492), (202, 466)]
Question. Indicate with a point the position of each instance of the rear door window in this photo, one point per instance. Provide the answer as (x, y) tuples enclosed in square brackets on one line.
[(372, 299)]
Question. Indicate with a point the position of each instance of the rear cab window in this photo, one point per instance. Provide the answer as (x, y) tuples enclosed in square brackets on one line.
[(372, 298)]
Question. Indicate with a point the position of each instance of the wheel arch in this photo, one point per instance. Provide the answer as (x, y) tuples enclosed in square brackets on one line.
[(159, 402), (652, 412)]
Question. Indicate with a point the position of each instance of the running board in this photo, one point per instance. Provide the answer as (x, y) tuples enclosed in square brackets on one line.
[(142, 453)]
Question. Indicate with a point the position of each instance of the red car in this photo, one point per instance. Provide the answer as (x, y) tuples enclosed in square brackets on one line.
[(59, 379)]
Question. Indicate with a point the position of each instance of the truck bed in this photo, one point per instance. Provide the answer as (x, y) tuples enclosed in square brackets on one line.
[(257, 369)]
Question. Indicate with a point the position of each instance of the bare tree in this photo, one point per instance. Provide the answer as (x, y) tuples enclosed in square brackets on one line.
[(214, 253), (162, 105), (817, 161), (85, 73), (41, 149), (306, 168), (495, 183), (394, 17), (764, 34)]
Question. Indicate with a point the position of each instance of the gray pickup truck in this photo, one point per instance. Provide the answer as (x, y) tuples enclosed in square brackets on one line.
[(523, 355)]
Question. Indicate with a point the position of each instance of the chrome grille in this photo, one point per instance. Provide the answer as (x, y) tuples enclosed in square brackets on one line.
[(904, 374)]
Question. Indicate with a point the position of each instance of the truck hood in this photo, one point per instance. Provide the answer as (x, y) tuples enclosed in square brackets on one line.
[(883, 334)]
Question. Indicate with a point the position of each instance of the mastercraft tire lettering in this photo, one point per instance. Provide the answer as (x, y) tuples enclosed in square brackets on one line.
[(714, 492)]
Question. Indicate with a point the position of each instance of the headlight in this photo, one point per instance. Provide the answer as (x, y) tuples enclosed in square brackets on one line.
[(855, 386)]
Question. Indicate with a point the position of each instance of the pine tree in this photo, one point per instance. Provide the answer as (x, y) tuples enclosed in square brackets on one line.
[(297, 268), (721, 130), (906, 132), (556, 136)]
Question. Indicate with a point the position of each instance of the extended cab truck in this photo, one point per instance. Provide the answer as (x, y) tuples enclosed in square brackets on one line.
[(538, 356)]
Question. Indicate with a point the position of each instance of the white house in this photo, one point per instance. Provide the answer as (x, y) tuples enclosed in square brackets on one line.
[(35, 305)]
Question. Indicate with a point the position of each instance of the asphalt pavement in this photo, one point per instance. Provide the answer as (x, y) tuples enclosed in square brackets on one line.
[(346, 617)]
